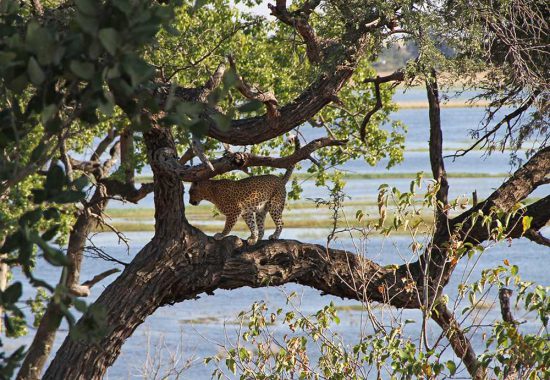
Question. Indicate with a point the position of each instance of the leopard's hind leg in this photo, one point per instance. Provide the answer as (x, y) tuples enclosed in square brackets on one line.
[(260, 221), (250, 219), (276, 207)]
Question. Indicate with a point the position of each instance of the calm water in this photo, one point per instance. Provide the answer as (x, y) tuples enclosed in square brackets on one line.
[(196, 327)]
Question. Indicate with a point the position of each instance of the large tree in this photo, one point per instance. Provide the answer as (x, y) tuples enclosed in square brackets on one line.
[(161, 84)]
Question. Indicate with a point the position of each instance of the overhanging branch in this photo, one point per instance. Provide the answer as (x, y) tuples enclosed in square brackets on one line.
[(238, 161), (397, 76)]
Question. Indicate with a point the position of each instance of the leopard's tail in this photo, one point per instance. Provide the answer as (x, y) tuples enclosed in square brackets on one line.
[(288, 173)]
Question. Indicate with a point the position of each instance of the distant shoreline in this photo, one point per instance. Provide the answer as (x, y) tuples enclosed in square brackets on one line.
[(418, 104)]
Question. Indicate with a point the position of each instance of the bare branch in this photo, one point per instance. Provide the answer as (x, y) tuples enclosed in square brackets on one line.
[(99, 277), (114, 153), (506, 120), (397, 76), (238, 161), (38, 9), (187, 155), (299, 20), (126, 191), (212, 83), (504, 295), (459, 341), (253, 93), (198, 150), (103, 145), (537, 237), (65, 158)]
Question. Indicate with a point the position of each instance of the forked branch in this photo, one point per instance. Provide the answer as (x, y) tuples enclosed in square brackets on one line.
[(397, 76), (299, 20), (253, 93), (238, 161)]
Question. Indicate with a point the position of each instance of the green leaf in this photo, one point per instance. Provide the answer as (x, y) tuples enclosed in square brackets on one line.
[(109, 39), (231, 365), (251, 106), (230, 77), (123, 6), (55, 179), (55, 257), (70, 196), (50, 233), (88, 7), (222, 121), (88, 24), (137, 69), (30, 217), (18, 84), (526, 222), (81, 182), (84, 70), (451, 366), (37, 152), (6, 57), (199, 128), (80, 305), (52, 213), (40, 41), (12, 293), (48, 113)]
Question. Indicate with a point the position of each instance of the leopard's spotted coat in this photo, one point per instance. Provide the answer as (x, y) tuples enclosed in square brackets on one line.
[(252, 197)]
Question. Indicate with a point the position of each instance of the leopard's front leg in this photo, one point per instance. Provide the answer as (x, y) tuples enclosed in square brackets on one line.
[(230, 221), (250, 219)]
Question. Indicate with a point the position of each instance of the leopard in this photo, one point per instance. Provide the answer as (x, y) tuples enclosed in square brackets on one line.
[(252, 197)]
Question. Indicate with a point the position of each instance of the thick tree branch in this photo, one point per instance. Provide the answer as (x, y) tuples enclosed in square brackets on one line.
[(127, 154), (539, 211), (515, 189), (181, 262), (436, 151), (537, 237), (339, 63), (198, 150)]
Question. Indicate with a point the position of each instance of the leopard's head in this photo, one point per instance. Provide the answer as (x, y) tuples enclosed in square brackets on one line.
[(196, 193)]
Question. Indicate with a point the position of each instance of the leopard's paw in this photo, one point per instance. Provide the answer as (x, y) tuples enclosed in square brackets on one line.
[(251, 240)]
